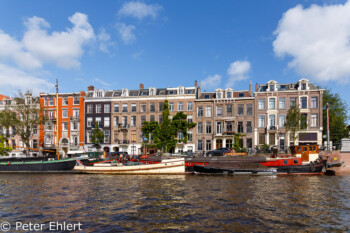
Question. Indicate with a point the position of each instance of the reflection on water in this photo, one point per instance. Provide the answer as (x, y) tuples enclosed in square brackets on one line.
[(111, 203)]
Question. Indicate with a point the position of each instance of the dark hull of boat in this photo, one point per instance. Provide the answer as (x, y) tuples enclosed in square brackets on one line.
[(39, 166), (300, 170), (20, 159), (198, 169)]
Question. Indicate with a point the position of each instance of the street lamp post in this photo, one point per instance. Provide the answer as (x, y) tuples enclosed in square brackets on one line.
[(327, 108)]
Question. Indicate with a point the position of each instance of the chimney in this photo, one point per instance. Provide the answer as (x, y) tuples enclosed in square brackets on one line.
[(142, 86), (195, 83), (91, 88), (251, 88), (256, 86)]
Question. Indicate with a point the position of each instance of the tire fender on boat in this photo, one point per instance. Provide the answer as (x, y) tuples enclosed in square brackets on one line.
[(312, 166)]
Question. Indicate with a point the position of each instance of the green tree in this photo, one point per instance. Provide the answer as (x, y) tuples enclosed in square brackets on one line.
[(25, 116), (4, 149), (97, 137), (293, 122), (166, 131), (338, 116)]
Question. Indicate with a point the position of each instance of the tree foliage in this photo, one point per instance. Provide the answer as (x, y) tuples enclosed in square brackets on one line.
[(165, 135), (4, 149), (338, 116), (292, 124), (25, 117), (97, 137)]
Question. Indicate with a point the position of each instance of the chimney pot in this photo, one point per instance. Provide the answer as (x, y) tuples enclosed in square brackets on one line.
[(91, 88), (195, 83), (142, 86)]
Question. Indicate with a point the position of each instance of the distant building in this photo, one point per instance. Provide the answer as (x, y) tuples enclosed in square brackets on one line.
[(71, 111), (272, 101)]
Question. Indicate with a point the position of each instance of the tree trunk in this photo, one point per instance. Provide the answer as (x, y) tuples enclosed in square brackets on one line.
[(28, 146)]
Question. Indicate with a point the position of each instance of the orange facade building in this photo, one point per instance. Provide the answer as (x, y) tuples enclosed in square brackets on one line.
[(70, 120)]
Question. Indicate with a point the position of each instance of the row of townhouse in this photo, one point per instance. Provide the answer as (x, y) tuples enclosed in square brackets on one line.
[(258, 116)]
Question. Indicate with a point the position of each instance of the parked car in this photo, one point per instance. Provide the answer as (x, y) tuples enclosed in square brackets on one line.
[(218, 152)]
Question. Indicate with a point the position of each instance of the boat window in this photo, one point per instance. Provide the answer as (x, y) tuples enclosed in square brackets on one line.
[(295, 161), (299, 149), (314, 148), (203, 163), (285, 162), (189, 164), (305, 148)]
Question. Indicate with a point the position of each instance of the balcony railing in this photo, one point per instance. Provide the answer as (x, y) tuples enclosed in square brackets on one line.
[(272, 127), (124, 126), (74, 118), (229, 133)]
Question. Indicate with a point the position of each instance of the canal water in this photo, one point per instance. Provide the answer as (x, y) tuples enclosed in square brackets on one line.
[(180, 203)]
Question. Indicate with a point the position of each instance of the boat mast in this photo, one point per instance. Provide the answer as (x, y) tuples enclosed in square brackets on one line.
[(57, 122)]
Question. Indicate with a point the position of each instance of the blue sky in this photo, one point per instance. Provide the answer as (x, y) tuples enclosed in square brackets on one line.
[(120, 44)]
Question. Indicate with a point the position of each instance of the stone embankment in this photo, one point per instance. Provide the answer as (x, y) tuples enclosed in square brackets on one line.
[(336, 156)]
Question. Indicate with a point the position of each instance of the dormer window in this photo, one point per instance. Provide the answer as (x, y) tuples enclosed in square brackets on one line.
[(99, 94), (241, 94), (171, 92), (181, 91), (272, 87), (116, 94), (152, 91), (303, 86), (219, 95), (134, 94), (125, 92), (229, 94), (206, 96)]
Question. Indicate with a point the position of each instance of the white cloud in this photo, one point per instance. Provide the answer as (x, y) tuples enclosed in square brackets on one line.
[(105, 40), (97, 80), (64, 49), (317, 40), (237, 71), (12, 80), (211, 82), (139, 10), (126, 32), (137, 54)]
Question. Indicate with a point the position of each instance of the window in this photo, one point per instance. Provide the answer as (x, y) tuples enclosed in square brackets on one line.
[(125, 122), (272, 140), (303, 121), (115, 121), (35, 143), (88, 136), (106, 121), (161, 107), (180, 106), (249, 126), (282, 121), (219, 111), (272, 120), (50, 101), (229, 126), (261, 121), (107, 108), (229, 110), (200, 111), (125, 107), (261, 138), (314, 102), (64, 126), (206, 96), (219, 127), (189, 106), (292, 102), (200, 145), (160, 119), (208, 127), (98, 122), (272, 103), (303, 101), (90, 108), (143, 119), (133, 138), (65, 101), (143, 107), (76, 113), (282, 103), (133, 107), (152, 118), (240, 127), (89, 121), (200, 127), (240, 110), (261, 103), (303, 86), (218, 95), (74, 140), (249, 109), (180, 135), (152, 107), (314, 120), (45, 102), (133, 121), (272, 87), (74, 125), (240, 94), (107, 136), (76, 100), (98, 108), (35, 130), (229, 94), (208, 145), (208, 111), (64, 113), (190, 136), (189, 119), (171, 107)]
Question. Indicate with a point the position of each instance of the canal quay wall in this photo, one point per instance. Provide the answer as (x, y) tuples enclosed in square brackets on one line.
[(337, 156)]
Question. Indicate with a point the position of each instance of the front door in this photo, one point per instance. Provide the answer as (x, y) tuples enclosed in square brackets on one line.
[(218, 143)]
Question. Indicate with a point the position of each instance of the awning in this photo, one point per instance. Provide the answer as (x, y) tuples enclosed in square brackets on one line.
[(75, 152)]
